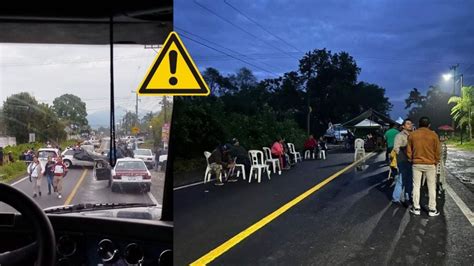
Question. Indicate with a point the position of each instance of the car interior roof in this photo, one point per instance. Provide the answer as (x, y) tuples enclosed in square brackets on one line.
[(86, 22)]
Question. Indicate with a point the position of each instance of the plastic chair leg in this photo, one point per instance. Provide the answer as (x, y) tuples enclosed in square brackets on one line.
[(206, 174), (259, 175)]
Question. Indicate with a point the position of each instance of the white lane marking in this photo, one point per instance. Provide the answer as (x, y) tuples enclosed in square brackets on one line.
[(464, 208), (19, 181), (191, 185), (153, 199)]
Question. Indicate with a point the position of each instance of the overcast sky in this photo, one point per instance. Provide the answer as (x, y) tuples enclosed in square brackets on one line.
[(50, 70), (398, 44)]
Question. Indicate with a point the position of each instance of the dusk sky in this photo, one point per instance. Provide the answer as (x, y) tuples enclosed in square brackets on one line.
[(398, 45)]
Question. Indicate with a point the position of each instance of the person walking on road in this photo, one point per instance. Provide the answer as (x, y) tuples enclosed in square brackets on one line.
[(1, 156), (423, 150), (60, 171), (49, 173), (34, 170), (404, 179), (390, 139)]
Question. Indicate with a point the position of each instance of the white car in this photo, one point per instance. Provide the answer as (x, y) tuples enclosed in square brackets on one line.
[(43, 154), (130, 172), (146, 155), (69, 160)]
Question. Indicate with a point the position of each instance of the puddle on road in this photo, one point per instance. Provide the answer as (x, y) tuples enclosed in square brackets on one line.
[(461, 165)]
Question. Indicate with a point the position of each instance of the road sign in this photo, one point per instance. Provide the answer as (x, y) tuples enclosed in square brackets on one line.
[(165, 132), (135, 130), (32, 137), (173, 72)]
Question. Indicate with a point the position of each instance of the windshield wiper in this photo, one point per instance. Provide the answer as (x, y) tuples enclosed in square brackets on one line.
[(96, 206)]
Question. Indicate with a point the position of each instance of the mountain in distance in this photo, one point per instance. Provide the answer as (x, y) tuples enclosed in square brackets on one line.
[(102, 117)]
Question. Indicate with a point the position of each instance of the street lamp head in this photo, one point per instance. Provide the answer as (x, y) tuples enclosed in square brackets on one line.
[(151, 126), (447, 77)]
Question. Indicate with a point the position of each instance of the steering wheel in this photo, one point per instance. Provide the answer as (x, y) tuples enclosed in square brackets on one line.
[(44, 248)]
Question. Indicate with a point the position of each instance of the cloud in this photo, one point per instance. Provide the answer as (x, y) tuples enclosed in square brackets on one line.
[(48, 71), (398, 44)]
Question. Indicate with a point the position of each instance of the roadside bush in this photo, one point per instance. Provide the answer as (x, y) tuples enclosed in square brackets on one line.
[(12, 170)]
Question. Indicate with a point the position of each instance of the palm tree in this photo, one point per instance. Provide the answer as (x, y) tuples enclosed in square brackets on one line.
[(463, 109)]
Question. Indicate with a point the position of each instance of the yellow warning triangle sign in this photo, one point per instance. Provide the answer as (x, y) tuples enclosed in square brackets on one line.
[(173, 72)]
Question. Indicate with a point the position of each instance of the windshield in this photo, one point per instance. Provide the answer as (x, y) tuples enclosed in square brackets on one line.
[(130, 166), (58, 96), (143, 152), (45, 154)]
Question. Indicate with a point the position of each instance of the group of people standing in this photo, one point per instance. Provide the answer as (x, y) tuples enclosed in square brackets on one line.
[(414, 154), (54, 171)]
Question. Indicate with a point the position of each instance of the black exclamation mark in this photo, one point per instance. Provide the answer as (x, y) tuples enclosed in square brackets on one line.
[(173, 60)]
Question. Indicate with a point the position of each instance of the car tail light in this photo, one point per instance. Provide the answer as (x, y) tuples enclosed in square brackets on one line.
[(147, 176), (117, 177)]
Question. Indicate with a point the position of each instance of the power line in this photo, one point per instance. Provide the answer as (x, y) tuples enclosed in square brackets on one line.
[(242, 29), (229, 55), (260, 26), (221, 46)]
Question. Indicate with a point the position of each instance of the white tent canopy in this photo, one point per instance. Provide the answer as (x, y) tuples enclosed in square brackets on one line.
[(367, 123)]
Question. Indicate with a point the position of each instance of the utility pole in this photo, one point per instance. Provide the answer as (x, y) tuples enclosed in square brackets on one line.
[(165, 103), (136, 107), (454, 68)]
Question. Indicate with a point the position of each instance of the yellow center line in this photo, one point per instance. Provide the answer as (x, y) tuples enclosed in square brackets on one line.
[(76, 187), (224, 247)]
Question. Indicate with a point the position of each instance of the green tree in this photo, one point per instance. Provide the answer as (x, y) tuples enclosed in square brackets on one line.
[(72, 111), (415, 99), (129, 120), (20, 114), (24, 115), (330, 84), (48, 126), (463, 109)]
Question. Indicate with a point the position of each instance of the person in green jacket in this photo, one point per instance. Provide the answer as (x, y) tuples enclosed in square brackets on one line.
[(390, 140)]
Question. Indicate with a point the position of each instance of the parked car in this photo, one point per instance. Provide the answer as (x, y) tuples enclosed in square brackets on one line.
[(336, 134), (146, 155), (130, 172), (69, 159)]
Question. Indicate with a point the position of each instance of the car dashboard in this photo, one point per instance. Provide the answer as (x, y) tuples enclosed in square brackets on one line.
[(97, 241)]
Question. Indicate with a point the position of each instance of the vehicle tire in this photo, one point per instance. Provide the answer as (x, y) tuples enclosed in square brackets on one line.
[(147, 189), (100, 165), (67, 163)]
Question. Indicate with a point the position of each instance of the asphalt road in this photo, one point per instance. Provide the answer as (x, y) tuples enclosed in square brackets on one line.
[(349, 221), (79, 186)]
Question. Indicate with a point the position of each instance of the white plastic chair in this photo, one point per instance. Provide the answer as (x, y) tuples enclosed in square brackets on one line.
[(322, 154), (258, 164), (208, 173), (359, 149), (307, 155), (270, 160), (294, 153), (240, 169)]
